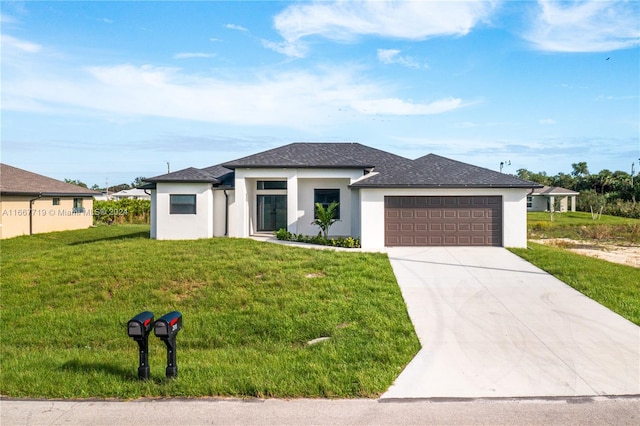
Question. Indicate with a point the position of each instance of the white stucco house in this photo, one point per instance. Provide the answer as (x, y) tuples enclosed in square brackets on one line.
[(385, 199), (552, 198)]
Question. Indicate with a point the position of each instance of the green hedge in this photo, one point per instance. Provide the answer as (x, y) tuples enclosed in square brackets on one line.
[(346, 242), (122, 211)]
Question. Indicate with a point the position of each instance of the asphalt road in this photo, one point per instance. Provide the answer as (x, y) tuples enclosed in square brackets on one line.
[(571, 411)]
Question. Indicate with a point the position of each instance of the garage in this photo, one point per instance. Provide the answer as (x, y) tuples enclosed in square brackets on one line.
[(443, 220)]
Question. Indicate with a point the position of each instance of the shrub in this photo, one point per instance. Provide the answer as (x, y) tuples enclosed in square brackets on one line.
[(122, 211), (345, 242)]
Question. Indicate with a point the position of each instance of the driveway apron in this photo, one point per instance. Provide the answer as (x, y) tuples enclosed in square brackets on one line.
[(493, 325)]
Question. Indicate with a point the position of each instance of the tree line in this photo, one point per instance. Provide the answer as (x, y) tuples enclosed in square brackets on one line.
[(609, 192), (139, 181)]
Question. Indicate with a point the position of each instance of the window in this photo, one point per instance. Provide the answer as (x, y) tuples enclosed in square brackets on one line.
[(182, 204), (326, 197), (529, 202), (77, 205), (272, 184), (56, 201)]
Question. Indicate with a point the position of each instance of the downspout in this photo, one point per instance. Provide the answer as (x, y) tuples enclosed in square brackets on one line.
[(31, 212), (226, 213)]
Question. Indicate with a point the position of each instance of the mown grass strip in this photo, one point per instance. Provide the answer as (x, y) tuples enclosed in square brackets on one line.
[(248, 308), (615, 286)]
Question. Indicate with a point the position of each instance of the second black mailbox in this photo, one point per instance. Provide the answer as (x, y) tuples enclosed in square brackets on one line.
[(167, 328)]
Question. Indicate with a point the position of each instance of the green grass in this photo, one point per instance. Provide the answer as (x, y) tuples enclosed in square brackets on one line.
[(248, 310), (580, 225), (612, 285), (615, 286)]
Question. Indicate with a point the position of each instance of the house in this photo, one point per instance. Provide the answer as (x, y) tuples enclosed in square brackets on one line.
[(385, 199), (133, 194), (551, 198), (31, 203)]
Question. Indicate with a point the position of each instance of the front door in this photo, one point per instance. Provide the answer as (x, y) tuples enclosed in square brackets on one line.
[(272, 212)]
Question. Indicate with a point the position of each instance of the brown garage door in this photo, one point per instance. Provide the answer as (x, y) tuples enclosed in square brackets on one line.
[(443, 221)]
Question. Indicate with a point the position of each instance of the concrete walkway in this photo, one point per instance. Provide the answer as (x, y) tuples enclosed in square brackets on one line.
[(493, 325)]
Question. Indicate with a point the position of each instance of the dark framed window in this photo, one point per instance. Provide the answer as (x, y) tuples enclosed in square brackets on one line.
[(529, 202), (272, 184), (56, 201), (77, 205), (182, 204), (326, 197)]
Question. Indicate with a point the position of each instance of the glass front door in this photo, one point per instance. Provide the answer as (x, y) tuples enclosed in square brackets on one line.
[(272, 212)]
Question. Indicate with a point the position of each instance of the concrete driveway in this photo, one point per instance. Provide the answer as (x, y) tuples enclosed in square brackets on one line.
[(494, 325)]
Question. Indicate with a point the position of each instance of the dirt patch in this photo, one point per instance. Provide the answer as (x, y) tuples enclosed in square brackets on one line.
[(625, 255)]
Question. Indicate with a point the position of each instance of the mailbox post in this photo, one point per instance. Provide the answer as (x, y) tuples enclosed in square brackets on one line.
[(167, 328), (139, 328)]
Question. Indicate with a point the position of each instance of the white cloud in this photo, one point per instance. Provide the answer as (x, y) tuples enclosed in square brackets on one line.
[(547, 121), (394, 106), (392, 56), (189, 55), (236, 27), (12, 43), (300, 99), (411, 20), (586, 26)]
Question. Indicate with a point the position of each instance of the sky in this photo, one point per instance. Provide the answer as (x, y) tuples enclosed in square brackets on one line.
[(111, 91)]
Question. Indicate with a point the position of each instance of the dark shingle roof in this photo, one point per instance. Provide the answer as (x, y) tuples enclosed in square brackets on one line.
[(433, 171), (387, 170), (21, 182), (316, 155), (190, 174)]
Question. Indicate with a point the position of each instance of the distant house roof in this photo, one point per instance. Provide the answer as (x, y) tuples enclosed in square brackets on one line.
[(190, 174), (15, 181), (382, 169), (553, 190), (134, 192)]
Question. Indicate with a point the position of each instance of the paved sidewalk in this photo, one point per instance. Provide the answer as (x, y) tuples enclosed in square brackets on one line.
[(493, 325), (187, 412)]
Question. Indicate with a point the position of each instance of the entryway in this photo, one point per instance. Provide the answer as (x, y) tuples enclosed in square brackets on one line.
[(272, 212)]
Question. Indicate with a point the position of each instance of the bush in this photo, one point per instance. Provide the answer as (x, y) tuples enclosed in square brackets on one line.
[(345, 242), (121, 211)]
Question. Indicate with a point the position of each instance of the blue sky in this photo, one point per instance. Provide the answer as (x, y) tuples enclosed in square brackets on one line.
[(101, 91)]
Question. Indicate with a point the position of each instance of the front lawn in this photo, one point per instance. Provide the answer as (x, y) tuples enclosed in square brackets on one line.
[(249, 309)]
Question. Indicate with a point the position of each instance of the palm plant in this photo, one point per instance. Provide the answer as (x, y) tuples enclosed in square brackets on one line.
[(324, 218)]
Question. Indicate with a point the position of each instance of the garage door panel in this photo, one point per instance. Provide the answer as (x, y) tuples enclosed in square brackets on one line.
[(443, 221)]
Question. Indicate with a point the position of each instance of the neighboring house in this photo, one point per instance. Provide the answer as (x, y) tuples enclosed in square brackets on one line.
[(552, 198), (31, 203), (385, 199), (133, 194)]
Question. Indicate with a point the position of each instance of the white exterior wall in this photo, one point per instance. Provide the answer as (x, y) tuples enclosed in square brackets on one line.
[(306, 206), (300, 186), (184, 226), (219, 213), (514, 212)]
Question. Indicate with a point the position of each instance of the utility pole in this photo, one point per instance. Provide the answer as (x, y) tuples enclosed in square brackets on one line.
[(168, 167)]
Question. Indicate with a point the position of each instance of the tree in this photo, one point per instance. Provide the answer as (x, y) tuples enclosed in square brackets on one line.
[(139, 181), (580, 170), (540, 178), (76, 182), (325, 217)]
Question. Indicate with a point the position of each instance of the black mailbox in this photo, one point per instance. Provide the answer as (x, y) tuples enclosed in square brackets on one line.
[(167, 328), (139, 328)]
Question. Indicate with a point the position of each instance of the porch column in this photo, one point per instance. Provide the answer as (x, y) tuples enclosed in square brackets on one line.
[(573, 203), (241, 207), (292, 202)]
